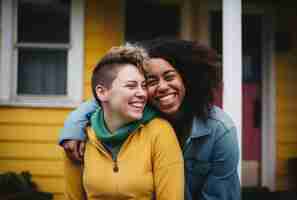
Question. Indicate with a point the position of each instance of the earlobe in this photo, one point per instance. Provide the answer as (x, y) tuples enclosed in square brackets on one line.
[(101, 92)]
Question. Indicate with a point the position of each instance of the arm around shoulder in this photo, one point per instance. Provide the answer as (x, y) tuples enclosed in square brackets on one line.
[(77, 121)]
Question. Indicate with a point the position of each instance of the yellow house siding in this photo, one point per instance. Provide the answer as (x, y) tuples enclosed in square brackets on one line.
[(28, 142), (286, 79), (104, 28), (28, 136)]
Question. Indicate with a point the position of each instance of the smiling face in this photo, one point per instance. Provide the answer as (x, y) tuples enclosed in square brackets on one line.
[(166, 89), (125, 100)]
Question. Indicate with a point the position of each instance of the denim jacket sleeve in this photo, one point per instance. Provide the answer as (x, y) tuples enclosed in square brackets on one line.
[(223, 180), (76, 122)]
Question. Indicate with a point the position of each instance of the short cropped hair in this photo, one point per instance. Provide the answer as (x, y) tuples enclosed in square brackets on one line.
[(108, 67)]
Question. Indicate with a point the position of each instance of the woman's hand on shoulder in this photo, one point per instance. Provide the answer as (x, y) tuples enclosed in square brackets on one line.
[(74, 149)]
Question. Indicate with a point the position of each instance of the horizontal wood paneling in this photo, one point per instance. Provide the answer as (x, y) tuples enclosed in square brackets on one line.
[(27, 151), (35, 167), (287, 106), (104, 29), (33, 116), (286, 124), (50, 184), (291, 136), (287, 119), (59, 196), (28, 136), (287, 150), (29, 132)]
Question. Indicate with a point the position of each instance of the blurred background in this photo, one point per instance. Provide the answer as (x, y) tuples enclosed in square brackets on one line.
[(49, 48)]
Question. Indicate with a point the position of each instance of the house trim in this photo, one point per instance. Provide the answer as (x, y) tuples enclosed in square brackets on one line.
[(186, 31), (268, 151), (268, 141), (232, 65), (6, 49), (268, 130), (8, 67)]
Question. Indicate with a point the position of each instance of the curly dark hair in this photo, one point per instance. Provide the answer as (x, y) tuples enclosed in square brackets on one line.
[(198, 65)]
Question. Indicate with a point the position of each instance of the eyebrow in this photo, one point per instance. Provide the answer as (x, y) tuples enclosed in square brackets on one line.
[(131, 81), (164, 73), (169, 71)]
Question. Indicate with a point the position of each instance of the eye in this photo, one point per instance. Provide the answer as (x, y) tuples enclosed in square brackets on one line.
[(151, 82), (131, 86), (169, 77), (144, 85)]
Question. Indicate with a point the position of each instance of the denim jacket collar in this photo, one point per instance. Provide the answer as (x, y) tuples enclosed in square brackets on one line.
[(199, 128)]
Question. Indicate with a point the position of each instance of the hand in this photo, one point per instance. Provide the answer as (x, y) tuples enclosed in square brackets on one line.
[(74, 149)]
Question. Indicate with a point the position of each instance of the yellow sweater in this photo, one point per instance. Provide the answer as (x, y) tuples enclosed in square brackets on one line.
[(149, 163)]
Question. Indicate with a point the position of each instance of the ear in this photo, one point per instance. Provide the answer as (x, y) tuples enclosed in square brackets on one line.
[(102, 93)]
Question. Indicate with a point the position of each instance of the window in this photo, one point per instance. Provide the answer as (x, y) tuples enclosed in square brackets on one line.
[(150, 19), (41, 52)]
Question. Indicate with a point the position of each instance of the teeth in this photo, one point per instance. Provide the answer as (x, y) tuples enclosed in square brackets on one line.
[(165, 98), (138, 105)]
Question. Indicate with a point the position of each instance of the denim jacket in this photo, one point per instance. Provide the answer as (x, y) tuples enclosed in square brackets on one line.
[(211, 157), (211, 153)]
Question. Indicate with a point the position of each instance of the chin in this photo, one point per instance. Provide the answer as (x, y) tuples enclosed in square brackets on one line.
[(135, 116), (170, 111)]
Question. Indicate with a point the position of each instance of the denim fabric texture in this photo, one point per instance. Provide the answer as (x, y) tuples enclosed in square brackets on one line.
[(211, 157), (77, 120)]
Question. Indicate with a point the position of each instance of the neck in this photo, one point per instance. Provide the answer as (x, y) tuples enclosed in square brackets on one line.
[(112, 121), (182, 114), (175, 117)]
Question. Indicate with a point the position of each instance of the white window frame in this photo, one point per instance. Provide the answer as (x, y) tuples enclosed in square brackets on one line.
[(8, 61)]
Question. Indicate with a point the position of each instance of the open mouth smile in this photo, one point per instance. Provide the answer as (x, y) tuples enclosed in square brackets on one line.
[(138, 105), (166, 99)]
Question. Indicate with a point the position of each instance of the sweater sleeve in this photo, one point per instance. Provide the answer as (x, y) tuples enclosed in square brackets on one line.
[(73, 180), (168, 164)]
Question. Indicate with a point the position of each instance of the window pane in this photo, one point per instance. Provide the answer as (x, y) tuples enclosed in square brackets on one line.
[(42, 72), (150, 19), (43, 21)]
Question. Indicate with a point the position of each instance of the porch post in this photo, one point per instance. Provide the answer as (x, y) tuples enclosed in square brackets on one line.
[(232, 65)]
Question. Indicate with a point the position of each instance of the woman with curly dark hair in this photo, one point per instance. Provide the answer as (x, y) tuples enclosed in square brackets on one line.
[(181, 79), (199, 69)]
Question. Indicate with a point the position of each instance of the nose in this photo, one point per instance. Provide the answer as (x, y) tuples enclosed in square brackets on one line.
[(162, 86), (141, 93)]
